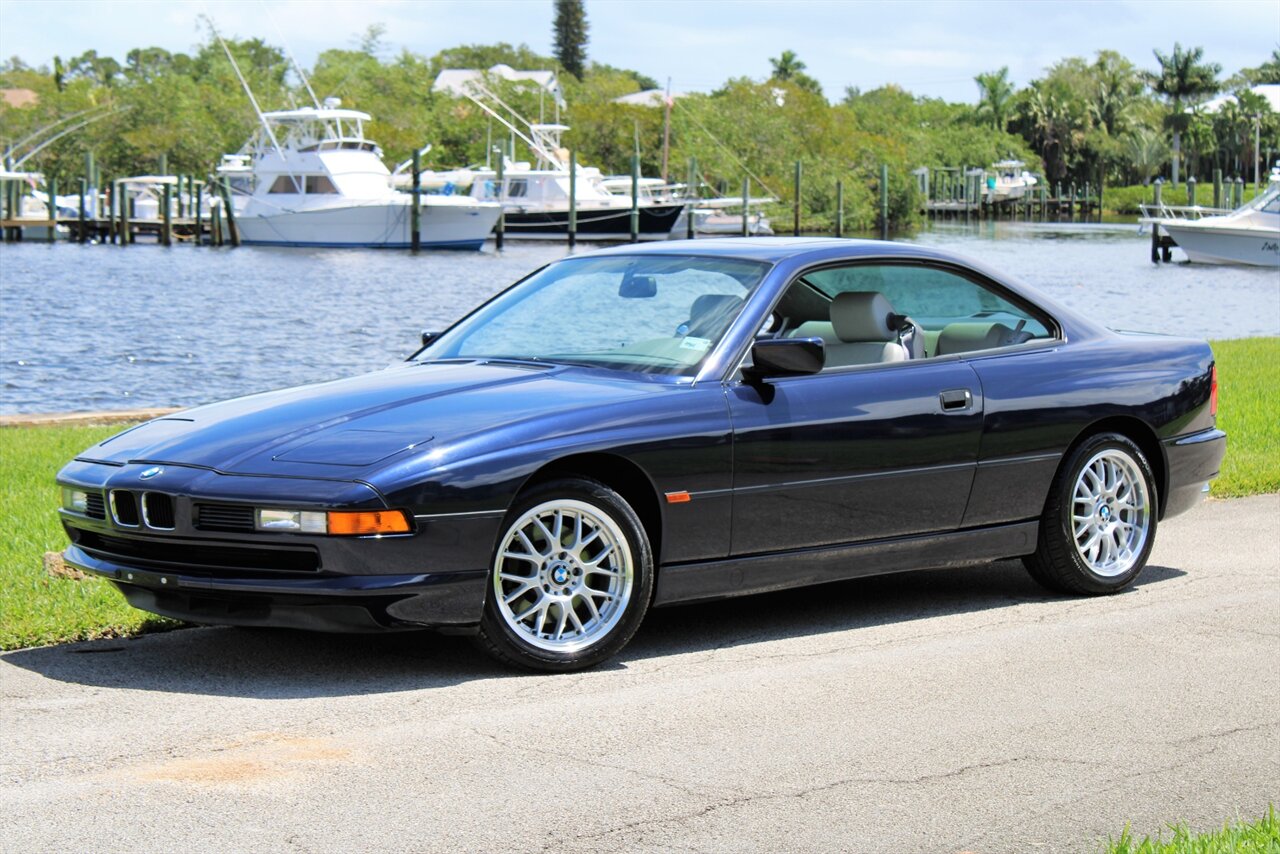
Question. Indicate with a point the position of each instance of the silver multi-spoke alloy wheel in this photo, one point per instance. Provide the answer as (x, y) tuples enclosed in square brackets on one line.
[(563, 575), (1110, 513)]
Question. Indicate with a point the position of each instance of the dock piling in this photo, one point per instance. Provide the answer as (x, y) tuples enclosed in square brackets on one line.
[(1217, 188), (1191, 190), (81, 234), (635, 198), (746, 208), (839, 208), (500, 228), (415, 218), (573, 198), (691, 193), (197, 201), (796, 205), (884, 201), (166, 216), (52, 206), (224, 189)]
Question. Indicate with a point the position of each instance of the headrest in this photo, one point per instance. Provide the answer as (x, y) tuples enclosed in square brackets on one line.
[(862, 316), (713, 304)]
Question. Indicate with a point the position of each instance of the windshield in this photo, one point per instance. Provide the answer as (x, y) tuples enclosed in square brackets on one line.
[(658, 314)]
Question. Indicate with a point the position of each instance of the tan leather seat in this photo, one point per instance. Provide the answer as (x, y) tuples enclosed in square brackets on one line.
[(862, 322)]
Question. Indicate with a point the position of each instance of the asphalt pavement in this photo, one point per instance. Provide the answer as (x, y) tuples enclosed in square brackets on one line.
[(933, 711)]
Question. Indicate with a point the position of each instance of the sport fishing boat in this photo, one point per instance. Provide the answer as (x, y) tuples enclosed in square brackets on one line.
[(1007, 181), (318, 181), (535, 194), (1248, 235)]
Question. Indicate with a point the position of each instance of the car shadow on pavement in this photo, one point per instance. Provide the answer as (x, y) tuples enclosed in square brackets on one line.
[(282, 664), (849, 605)]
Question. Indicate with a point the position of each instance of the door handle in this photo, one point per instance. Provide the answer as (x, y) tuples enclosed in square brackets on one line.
[(956, 400)]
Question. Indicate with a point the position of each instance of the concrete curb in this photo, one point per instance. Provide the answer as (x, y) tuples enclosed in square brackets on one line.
[(82, 418)]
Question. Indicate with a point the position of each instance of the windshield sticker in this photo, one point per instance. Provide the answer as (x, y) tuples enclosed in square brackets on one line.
[(692, 343)]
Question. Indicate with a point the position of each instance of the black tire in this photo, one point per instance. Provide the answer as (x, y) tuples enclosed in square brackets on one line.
[(566, 579), (1058, 562)]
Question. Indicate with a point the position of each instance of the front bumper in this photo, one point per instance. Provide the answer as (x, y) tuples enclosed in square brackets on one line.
[(1192, 461), (335, 603)]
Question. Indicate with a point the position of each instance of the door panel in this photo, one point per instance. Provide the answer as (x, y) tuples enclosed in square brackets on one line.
[(853, 455)]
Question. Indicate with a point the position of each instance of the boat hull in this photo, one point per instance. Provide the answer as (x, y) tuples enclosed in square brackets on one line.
[(1255, 247), (612, 224), (381, 226)]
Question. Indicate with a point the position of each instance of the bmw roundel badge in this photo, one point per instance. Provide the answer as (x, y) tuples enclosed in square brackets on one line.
[(154, 471)]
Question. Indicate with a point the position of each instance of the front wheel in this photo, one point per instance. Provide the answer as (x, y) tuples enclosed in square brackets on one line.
[(571, 578), (1099, 522)]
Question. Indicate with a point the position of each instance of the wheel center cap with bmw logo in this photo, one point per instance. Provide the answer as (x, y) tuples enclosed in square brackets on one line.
[(560, 574), (154, 471)]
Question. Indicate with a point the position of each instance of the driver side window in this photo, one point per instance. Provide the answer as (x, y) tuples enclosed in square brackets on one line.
[(870, 313)]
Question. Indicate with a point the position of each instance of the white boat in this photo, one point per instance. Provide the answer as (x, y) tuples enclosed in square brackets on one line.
[(317, 181), (535, 195), (1248, 235), (1007, 181)]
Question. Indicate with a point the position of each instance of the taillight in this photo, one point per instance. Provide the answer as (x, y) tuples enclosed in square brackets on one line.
[(1213, 391)]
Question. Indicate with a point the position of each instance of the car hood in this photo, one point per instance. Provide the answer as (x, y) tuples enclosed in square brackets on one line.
[(342, 429)]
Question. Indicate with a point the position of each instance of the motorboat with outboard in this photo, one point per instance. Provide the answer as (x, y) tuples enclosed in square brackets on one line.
[(1248, 235), (1007, 180)]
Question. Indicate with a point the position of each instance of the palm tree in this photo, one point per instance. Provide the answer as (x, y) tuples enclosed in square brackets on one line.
[(786, 66), (1183, 80), (995, 96), (1147, 152), (1116, 84)]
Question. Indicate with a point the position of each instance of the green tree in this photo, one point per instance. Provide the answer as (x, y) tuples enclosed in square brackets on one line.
[(995, 97), (1183, 81), (1115, 84), (1147, 151), (788, 68), (570, 30), (1267, 72)]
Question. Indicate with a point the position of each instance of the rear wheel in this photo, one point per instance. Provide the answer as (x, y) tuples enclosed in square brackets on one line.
[(1099, 523), (571, 578)]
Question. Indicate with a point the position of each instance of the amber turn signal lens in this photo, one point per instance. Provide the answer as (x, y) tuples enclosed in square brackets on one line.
[(375, 522)]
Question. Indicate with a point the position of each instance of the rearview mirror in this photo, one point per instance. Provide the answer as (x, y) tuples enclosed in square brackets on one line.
[(786, 357), (638, 287), (428, 337)]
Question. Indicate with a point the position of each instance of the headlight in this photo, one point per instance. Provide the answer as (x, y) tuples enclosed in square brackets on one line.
[(302, 521), (335, 523), (75, 499)]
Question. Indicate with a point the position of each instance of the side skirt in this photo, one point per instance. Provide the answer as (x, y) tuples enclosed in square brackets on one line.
[(692, 582)]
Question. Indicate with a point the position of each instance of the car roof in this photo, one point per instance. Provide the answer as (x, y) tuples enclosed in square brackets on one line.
[(773, 249)]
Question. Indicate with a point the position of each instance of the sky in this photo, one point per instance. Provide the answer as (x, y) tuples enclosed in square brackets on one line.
[(929, 47)]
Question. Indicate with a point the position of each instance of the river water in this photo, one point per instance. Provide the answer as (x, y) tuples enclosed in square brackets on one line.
[(104, 327)]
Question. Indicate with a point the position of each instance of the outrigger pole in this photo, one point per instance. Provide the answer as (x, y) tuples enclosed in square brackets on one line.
[(252, 100)]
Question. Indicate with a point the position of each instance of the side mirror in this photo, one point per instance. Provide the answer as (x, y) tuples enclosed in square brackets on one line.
[(786, 357), (428, 337)]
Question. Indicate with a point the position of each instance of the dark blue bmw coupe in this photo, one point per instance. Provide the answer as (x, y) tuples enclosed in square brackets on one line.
[(656, 424)]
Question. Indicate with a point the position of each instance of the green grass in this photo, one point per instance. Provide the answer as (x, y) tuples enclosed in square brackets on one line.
[(1249, 412), (35, 608), (1125, 200), (1241, 837)]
